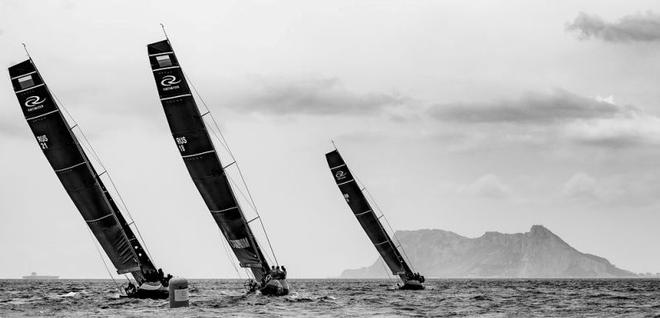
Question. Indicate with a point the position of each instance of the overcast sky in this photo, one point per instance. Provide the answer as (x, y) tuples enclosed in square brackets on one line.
[(468, 116)]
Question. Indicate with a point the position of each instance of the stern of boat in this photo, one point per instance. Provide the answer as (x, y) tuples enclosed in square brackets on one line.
[(275, 287), (412, 285), (150, 290)]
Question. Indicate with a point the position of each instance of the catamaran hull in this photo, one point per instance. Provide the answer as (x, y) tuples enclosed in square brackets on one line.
[(274, 288), (412, 285)]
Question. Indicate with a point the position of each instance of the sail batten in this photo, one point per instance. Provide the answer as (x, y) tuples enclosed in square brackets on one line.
[(196, 148), (71, 165), (365, 215)]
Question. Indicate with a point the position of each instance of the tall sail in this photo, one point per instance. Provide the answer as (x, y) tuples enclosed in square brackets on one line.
[(366, 216), (76, 173), (199, 155)]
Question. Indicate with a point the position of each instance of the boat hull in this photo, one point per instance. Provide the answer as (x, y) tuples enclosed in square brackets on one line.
[(151, 294), (412, 285), (150, 291), (275, 288)]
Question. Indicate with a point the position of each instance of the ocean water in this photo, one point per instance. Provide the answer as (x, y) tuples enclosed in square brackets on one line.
[(345, 298)]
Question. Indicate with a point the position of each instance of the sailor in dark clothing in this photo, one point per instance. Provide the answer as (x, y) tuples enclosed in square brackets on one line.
[(148, 275), (166, 281), (251, 286), (161, 275), (417, 277), (278, 274), (283, 272), (130, 289)]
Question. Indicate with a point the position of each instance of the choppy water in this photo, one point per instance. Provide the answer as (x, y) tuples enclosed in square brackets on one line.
[(457, 298)]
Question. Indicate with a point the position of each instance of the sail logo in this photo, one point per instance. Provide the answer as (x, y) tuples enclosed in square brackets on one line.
[(346, 197), (169, 81), (33, 101), (340, 175), (240, 243)]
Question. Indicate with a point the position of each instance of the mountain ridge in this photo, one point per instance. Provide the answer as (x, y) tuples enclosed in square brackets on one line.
[(538, 253)]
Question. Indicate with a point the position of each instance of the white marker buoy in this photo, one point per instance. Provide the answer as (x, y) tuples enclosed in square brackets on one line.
[(178, 292)]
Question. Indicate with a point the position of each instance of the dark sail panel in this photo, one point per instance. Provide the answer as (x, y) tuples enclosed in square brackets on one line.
[(196, 148), (72, 166), (365, 215)]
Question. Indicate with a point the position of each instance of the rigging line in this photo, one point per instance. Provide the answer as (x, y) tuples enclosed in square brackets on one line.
[(229, 256), (382, 215), (137, 230), (88, 146), (112, 182), (391, 230), (396, 238), (215, 130), (26, 51), (254, 205), (226, 146), (232, 181), (162, 26), (388, 275), (236, 185), (246, 201), (240, 172), (103, 259)]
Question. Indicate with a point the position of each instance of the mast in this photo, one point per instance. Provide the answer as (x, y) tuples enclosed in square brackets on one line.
[(76, 172), (366, 216), (194, 143)]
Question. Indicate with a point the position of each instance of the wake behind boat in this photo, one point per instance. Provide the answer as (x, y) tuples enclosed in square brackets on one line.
[(370, 222), (199, 154), (81, 181)]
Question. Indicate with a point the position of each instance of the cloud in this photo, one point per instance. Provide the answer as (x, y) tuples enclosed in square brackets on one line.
[(533, 108), (580, 186), (638, 129), (619, 189), (319, 96), (487, 186), (630, 28), (550, 118)]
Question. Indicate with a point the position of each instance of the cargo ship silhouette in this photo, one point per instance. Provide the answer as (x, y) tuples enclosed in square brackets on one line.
[(34, 276)]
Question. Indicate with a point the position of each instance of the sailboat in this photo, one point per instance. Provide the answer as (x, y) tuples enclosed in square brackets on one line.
[(83, 184), (194, 143), (371, 224)]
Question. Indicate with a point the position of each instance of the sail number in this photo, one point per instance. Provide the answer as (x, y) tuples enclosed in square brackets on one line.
[(181, 142), (42, 141)]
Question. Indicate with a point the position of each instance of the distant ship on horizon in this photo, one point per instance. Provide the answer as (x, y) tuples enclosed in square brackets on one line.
[(34, 276)]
